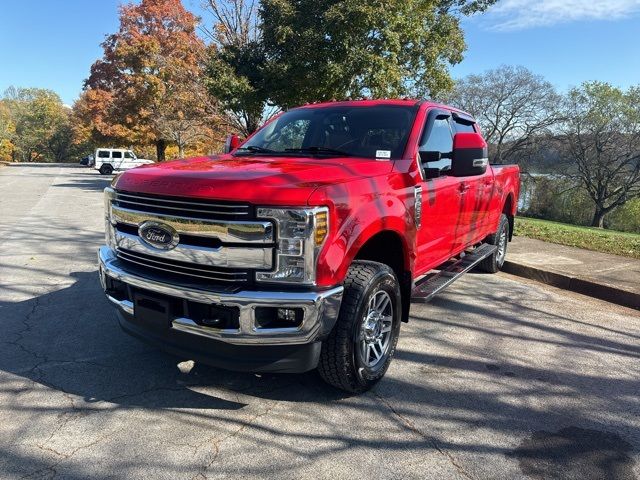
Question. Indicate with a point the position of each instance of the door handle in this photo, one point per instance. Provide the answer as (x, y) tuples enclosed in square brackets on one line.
[(463, 188)]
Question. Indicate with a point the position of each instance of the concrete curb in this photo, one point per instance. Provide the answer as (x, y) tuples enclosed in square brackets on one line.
[(575, 284)]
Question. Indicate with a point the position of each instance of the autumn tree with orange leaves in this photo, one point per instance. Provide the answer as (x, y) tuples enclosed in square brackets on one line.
[(148, 89)]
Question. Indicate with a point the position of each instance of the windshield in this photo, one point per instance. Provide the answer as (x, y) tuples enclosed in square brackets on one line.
[(370, 132)]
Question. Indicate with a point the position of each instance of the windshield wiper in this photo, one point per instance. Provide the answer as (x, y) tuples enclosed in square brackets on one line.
[(311, 150), (255, 149), (320, 150)]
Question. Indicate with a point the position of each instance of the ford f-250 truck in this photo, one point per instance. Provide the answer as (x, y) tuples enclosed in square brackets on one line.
[(304, 246)]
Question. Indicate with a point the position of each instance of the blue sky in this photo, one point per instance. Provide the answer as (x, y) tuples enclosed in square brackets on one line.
[(52, 44)]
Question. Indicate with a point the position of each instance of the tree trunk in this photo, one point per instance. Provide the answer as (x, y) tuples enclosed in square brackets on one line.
[(180, 150), (161, 146), (598, 217)]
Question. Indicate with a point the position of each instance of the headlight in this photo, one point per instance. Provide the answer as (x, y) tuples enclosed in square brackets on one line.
[(109, 239), (301, 233)]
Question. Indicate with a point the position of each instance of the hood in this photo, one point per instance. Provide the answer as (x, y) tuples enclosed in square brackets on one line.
[(255, 179)]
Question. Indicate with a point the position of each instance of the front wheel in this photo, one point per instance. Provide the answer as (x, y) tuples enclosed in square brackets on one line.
[(359, 349)]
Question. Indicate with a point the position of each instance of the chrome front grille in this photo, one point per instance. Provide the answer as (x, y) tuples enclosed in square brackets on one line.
[(198, 255), (190, 270), (219, 243), (184, 207)]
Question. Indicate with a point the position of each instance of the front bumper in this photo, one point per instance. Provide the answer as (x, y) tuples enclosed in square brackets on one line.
[(248, 347)]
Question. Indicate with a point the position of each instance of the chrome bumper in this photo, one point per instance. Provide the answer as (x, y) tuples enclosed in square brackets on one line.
[(320, 308)]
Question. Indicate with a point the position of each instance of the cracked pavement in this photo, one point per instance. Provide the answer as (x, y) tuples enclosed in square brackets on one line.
[(497, 378)]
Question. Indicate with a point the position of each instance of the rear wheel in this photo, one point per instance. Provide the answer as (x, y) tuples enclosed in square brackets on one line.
[(493, 263), (106, 169), (359, 349)]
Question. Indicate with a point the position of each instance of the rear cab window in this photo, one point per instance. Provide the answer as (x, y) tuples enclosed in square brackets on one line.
[(103, 154)]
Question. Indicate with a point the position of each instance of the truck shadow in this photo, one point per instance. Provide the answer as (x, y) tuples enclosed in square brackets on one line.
[(70, 340)]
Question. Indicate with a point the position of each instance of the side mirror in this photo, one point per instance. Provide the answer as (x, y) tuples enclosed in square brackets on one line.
[(431, 173), (231, 143), (433, 156), (470, 156), (430, 156)]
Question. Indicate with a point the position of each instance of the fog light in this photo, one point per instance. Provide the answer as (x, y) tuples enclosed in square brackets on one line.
[(287, 314), (271, 317)]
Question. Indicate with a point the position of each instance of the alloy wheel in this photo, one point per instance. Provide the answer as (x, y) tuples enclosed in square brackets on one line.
[(375, 330), (502, 247)]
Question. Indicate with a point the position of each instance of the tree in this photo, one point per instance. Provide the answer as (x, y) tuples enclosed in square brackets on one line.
[(602, 131), (7, 132), (323, 49), (88, 120), (194, 122), (151, 73), (236, 63), (515, 108), (60, 144), (39, 121)]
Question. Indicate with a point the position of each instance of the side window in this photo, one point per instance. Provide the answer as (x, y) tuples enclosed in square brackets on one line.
[(440, 140), (463, 127), (128, 155), (116, 154), (103, 153)]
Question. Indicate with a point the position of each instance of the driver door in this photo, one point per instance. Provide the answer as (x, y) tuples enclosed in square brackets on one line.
[(442, 225)]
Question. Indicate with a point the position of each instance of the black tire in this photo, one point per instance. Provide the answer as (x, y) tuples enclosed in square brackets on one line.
[(493, 263), (342, 363), (106, 169)]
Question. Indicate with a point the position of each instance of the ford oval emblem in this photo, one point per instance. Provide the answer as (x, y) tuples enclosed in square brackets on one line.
[(158, 235)]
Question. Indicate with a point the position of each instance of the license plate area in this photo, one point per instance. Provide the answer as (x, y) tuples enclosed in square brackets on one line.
[(151, 311)]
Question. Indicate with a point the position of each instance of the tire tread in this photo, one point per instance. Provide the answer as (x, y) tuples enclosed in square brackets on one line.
[(334, 362)]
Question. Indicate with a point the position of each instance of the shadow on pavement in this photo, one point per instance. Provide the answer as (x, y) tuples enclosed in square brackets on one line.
[(87, 179), (575, 453), (97, 184), (42, 165), (70, 340)]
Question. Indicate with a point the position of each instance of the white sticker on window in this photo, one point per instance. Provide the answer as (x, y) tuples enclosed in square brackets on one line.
[(383, 153)]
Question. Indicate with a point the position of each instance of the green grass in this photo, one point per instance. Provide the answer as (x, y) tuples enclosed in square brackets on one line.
[(596, 239)]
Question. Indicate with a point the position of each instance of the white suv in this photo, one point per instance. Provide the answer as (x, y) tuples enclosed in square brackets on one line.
[(109, 160)]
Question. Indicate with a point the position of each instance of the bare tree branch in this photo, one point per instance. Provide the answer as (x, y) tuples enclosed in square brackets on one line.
[(514, 107)]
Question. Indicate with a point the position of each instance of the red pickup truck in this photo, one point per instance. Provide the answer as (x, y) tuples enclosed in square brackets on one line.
[(304, 246)]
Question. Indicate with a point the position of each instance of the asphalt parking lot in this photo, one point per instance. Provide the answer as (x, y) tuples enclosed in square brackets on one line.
[(497, 378)]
